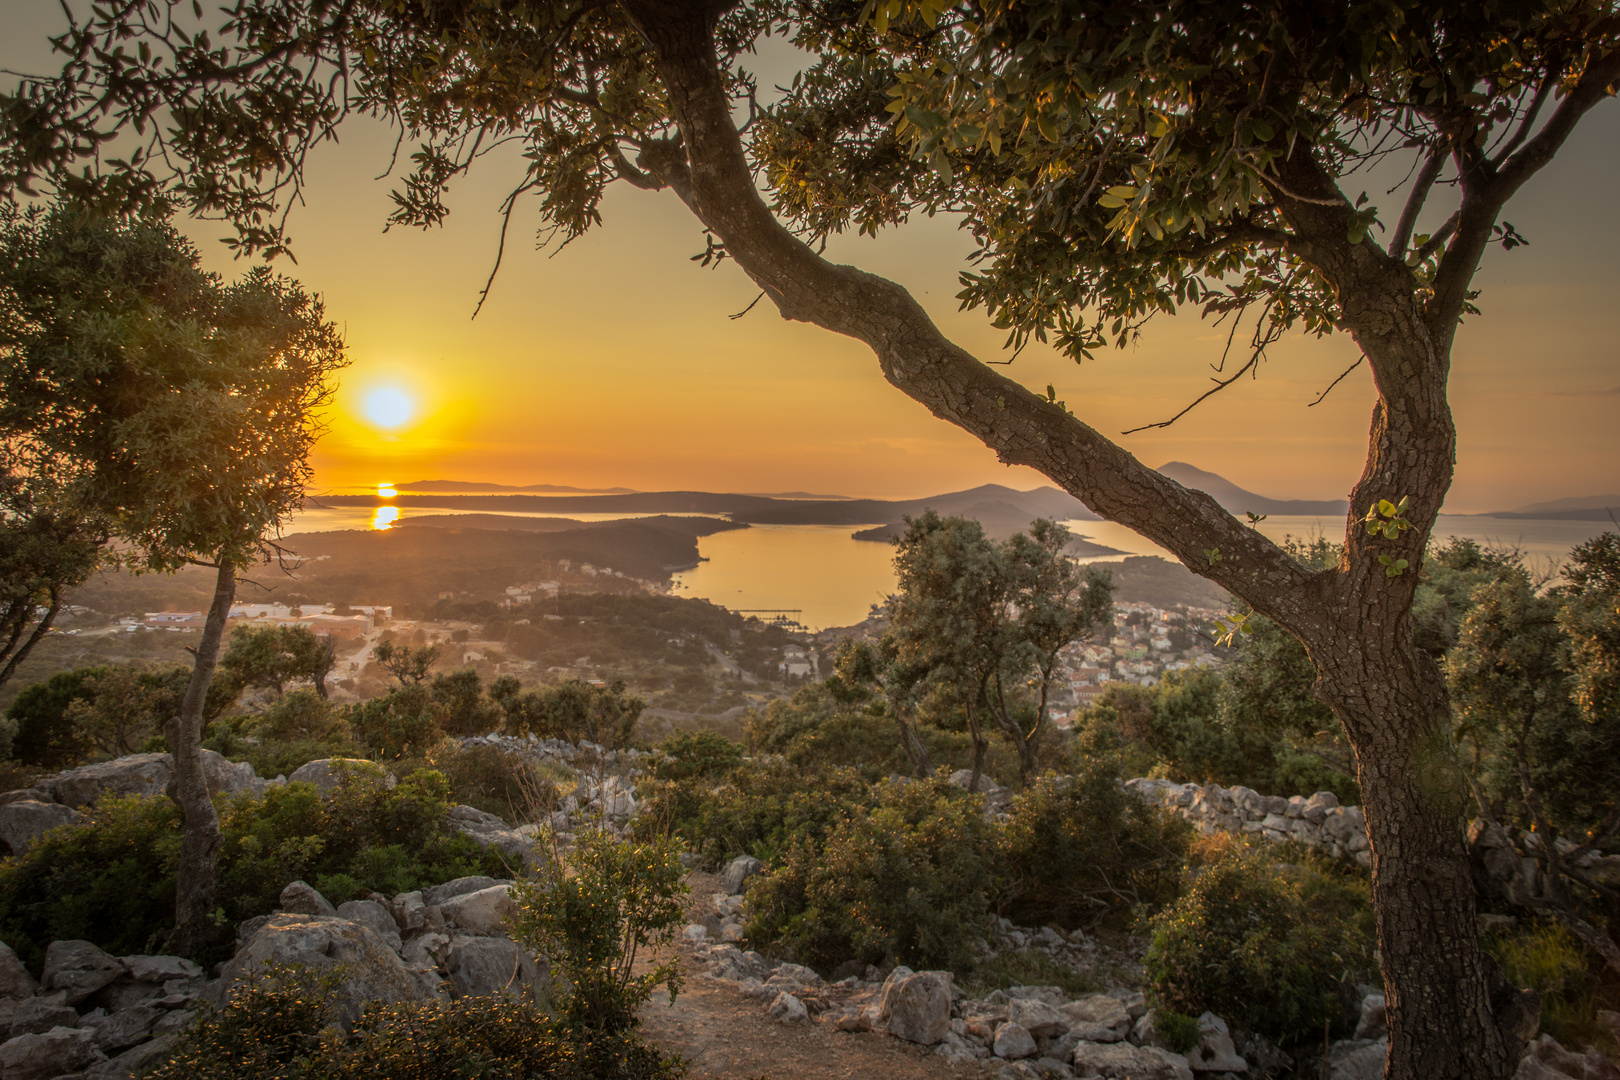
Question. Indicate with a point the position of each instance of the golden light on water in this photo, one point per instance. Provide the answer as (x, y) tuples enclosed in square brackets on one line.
[(384, 518)]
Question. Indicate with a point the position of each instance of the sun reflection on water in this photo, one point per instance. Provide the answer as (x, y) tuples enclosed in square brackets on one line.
[(385, 517)]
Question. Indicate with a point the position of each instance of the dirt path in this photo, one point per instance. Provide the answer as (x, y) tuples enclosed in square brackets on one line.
[(727, 1036)]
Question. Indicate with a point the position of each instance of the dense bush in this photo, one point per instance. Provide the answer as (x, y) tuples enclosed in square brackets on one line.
[(1545, 956), (110, 879), (1076, 850), (493, 779), (695, 755), (280, 1027), (760, 809), (1268, 947), (906, 881), (591, 917)]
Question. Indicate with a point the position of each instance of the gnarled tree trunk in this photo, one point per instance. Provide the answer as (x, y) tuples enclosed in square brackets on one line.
[(194, 925)]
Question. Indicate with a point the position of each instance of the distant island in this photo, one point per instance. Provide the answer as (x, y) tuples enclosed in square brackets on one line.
[(1581, 508)]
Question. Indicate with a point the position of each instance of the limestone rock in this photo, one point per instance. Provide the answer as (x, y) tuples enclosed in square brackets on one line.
[(1099, 1018), (120, 1030), (1374, 1022), (1013, 1042), (374, 915), (79, 969), (160, 969), (438, 894), (145, 774), (372, 971), (483, 912), (1215, 1052), (15, 981), (1038, 1018), (46, 1054), (324, 772), (484, 966), (134, 1060), (788, 1009), (410, 912), (22, 823), (1051, 995), (917, 1006), (300, 898), (1122, 1061), (1357, 1059), (488, 831), (737, 872), (33, 1015)]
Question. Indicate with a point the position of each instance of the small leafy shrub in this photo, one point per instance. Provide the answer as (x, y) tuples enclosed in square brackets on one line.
[(591, 917), (695, 755), (904, 882), (279, 1027), (1180, 1032), (492, 779), (1548, 958), (1078, 850), (1266, 946), (1029, 967), (110, 879)]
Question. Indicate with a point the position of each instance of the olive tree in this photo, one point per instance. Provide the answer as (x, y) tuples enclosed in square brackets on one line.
[(189, 405), (1116, 160)]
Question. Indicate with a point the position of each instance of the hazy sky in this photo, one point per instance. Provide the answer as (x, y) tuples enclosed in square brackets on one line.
[(614, 362)]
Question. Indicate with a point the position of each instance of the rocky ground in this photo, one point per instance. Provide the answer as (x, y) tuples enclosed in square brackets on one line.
[(91, 1016)]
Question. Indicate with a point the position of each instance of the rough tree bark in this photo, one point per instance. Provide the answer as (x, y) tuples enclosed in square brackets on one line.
[(1452, 1014), (194, 925)]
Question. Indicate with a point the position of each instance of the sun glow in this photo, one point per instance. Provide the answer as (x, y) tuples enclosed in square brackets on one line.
[(389, 407), (386, 490), (384, 518)]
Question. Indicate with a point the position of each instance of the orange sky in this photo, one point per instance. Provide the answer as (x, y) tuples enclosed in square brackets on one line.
[(613, 362)]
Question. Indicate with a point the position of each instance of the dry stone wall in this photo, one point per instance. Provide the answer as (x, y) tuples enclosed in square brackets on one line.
[(1318, 821)]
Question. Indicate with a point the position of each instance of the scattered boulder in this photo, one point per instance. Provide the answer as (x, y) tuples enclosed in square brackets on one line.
[(1013, 1042), (372, 971), (324, 772), (33, 1015), (1357, 1059), (438, 894), (1215, 1051), (737, 872), (23, 822), (15, 981), (917, 1006), (1374, 1022), (1099, 1018), (46, 1054), (134, 1060), (160, 969), (485, 966), (145, 774), (300, 898), (788, 1009), (410, 912), (986, 785), (121, 1030), (372, 914), (483, 912), (1122, 1061), (1038, 1018), (488, 831), (78, 969)]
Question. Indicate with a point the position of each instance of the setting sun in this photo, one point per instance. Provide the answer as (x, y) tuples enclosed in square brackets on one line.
[(389, 407)]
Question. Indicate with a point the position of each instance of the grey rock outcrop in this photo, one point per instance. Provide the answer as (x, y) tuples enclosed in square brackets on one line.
[(1215, 1051), (325, 773), (734, 878), (1098, 1018), (144, 774), (23, 822), (917, 1006), (482, 966), (483, 912), (1122, 1061), (1041, 1020), (1357, 1059), (301, 898), (61, 1051), (1013, 1042), (15, 981), (372, 971), (78, 969), (33, 1015), (371, 913), (436, 895)]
